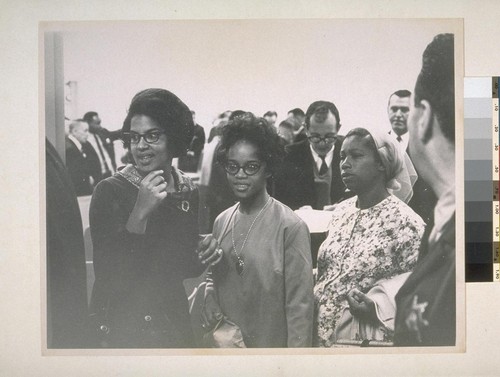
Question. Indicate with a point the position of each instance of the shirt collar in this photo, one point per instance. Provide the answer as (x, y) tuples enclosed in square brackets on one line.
[(405, 138), (318, 160), (75, 140)]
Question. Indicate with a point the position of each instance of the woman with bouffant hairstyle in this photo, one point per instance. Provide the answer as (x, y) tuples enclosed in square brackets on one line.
[(143, 222)]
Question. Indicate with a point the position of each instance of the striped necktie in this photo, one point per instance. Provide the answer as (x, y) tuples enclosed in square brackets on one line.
[(101, 153)]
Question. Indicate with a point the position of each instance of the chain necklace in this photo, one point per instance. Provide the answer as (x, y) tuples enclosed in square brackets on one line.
[(240, 265)]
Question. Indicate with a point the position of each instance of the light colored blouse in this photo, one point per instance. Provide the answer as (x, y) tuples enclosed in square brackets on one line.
[(362, 247), (272, 300)]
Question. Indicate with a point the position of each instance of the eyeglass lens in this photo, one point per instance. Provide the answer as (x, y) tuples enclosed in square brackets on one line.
[(249, 169)]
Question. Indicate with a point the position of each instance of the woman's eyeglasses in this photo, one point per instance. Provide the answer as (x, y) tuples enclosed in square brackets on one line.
[(250, 168), (149, 137)]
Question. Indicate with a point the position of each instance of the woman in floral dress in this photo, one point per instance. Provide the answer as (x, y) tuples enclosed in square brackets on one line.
[(372, 236)]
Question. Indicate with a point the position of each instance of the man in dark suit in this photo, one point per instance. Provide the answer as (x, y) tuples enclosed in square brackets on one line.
[(81, 161), (101, 140), (311, 175), (398, 109), (297, 118), (426, 304), (67, 309), (191, 160)]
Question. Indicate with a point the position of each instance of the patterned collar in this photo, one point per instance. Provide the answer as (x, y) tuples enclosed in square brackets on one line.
[(184, 186)]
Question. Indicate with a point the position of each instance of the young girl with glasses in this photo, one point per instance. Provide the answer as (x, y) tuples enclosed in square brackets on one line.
[(264, 281)]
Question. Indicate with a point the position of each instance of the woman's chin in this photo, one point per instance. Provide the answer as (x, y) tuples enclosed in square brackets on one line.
[(244, 196), (144, 170)]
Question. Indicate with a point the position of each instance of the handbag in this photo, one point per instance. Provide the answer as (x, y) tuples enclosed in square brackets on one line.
[(225, 334), (351, 329)]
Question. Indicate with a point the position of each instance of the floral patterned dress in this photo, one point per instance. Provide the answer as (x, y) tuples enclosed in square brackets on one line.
[(362, 247)]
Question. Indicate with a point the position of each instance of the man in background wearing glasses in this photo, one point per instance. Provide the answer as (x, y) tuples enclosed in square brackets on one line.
[(311, 174)]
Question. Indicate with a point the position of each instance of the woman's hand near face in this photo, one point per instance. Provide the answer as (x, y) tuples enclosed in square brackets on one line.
[(361, 306), (152, 191)]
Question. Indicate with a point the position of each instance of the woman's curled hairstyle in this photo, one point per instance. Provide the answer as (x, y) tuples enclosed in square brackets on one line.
[(171, 114), (257, 131)]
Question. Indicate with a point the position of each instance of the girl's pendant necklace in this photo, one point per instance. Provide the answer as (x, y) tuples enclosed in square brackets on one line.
[(240, 264)]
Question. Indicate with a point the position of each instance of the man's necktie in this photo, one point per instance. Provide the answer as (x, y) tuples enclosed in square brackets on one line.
[(324, 167), (101, 154), (399, 139)]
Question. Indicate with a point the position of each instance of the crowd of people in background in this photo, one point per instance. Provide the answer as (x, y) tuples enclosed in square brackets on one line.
[(384, 271)]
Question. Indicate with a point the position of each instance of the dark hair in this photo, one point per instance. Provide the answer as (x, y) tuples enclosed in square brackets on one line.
[(254, 130), (297, 112), (89, 116), (286, 124), (322, 107), (236, 113), (436, 82), (402, 93), (363, 132), (171, 114), (270, 113)]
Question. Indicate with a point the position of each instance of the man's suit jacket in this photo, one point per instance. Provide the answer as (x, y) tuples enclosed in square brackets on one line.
[(107, 137), (67, 312), (429, 292), (190, 163), (81, 165), (302, 135), (423, 200), (294, 183)]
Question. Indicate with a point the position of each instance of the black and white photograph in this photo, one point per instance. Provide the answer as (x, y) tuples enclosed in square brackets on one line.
[(266, 184), (248, 188)]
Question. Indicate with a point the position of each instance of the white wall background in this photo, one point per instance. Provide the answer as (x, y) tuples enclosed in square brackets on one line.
[(255, 65)]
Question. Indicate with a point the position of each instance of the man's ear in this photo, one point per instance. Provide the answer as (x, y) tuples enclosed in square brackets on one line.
[(426, 122)]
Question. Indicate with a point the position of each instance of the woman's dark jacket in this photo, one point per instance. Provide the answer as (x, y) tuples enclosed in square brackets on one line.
[(138, 300)]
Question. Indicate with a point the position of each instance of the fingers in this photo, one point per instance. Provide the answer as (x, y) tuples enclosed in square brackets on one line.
[(152, 175), (357, 295), (154, 180), (155, 183), (204, 242), (157, 180), (355, 299), (350, 301), (214, 258), (209, 250)]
